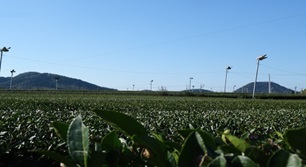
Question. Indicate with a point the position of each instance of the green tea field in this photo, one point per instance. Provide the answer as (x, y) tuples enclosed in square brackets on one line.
[(26, 120)]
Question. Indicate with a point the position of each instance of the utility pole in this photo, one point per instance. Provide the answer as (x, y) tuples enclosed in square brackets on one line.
[(4, 49), (201, 87), (151, 85), (226, 71), (12, 78), (56, 79), (234, 88), (258, 59), (190, 83), (269, 84)]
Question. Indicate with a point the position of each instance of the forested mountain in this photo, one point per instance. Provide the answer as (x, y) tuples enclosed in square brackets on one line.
[(46, 81), (263, 87)]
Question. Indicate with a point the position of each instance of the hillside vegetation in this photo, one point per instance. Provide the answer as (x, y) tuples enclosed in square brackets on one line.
[(47, 81)]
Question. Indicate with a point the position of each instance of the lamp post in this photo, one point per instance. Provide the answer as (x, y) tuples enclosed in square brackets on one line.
[(4, 49), (12, 78), (133, 87), (202, 87), (258, 60), (190, 83), (56, 79), (226, 71), (151, 84)]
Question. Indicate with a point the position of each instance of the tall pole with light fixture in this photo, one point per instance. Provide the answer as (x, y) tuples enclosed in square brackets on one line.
[(151, 85), (12, 78), (56, 80), (190, 83), (269, 84), (226, 71), (258, 60), (4, 49)]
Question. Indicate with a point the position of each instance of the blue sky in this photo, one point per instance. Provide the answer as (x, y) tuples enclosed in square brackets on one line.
[(119, 44)]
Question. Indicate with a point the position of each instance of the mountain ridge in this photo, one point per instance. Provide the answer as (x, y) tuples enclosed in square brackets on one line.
[(263, 87), (47, 81)]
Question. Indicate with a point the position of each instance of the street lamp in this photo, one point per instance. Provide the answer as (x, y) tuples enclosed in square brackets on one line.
[(190, 83), (151, 85), (56, 79), (4, 49), (12, 78), (234, 88), (258, 60), (202, 87), (226, 71)]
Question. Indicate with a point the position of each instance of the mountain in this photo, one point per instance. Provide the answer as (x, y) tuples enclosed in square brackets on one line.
[(263, 87), (198, 91), (46, 81)]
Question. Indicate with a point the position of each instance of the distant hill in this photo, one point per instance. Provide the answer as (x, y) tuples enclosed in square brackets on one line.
[(263, 87), (46, 81), (198, 91)]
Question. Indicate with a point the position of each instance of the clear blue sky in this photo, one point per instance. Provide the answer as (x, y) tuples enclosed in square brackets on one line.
[(118, 43)]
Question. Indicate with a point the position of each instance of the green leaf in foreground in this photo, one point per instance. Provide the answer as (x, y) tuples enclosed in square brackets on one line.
[(57, 157), (220, 161), (283, 158), (122, 122), (78, 141), (297, 139), (257, 155), (156, 151), (239, 144), (193, 151), (208, 139), (243, 161), (61, 129), (111, 142)]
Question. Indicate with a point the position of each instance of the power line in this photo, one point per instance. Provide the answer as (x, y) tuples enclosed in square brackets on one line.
[(198, 36), (115, 70), (278, 69)]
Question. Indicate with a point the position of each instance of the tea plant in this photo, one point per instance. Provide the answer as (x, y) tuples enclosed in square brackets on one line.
[(199, 148), (26, 118)]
